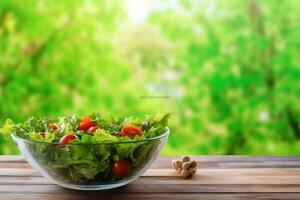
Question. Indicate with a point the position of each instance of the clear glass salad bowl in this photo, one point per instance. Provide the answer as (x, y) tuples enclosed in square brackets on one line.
[(91, 166)]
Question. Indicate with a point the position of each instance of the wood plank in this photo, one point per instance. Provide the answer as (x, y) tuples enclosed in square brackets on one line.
[(233, 158), (174, 184), (203, 161), (234, 161), (14, 165), (18, 172), (172, 181), (148, 181), (201, 173), (11, 158), (229, 172), (147, 196), (219, 177), (136, 188)]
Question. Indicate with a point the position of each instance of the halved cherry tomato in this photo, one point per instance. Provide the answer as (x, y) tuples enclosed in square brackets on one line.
[(93, 129), (120, 168), (85, 124), (54, 127), (66, 139), (130, 131), (42, 135)]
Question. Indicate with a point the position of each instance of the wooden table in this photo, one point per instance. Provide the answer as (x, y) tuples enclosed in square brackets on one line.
[(218, 177)]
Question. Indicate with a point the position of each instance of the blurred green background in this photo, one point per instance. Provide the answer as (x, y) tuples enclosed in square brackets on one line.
[(229, 71)]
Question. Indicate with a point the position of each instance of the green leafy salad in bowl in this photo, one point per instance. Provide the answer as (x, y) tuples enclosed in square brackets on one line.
[(90, 153)]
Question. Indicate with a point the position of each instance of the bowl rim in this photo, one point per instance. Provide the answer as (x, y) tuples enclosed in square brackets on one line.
[(165, 134)]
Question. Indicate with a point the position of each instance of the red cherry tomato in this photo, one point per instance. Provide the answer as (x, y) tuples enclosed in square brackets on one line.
[(66, 139), (93, 129), (54, 127), (85, 124), (120, 168), (130, 131), (42, 135)]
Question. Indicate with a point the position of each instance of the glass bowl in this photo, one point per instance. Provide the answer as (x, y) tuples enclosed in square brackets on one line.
[(90, 166)]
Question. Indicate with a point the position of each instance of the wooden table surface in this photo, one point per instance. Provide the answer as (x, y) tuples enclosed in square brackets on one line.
[(218, 177)]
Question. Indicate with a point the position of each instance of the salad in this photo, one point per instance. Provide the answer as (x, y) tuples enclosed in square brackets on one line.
[(91, 149)]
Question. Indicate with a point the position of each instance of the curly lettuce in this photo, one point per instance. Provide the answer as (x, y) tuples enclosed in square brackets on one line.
[(91, 160)]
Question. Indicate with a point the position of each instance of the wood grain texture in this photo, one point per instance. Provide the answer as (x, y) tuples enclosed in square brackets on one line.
[(218, 177)]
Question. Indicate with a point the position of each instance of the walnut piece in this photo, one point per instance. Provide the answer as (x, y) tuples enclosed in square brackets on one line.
[(186, 167)]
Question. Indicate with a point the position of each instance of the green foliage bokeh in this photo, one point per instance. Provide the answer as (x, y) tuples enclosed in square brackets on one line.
[(229, 69)]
